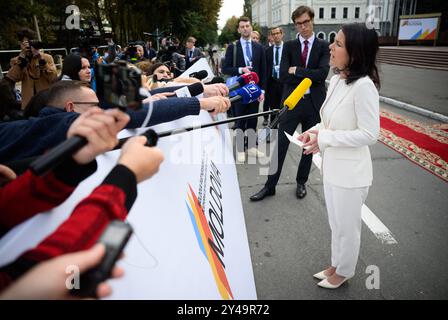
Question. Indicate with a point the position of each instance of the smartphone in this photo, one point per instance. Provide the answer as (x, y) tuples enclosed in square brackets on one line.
[(115, 237), (119, 86)]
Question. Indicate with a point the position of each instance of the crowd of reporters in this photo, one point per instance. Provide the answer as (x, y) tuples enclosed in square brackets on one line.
[(52, 107)]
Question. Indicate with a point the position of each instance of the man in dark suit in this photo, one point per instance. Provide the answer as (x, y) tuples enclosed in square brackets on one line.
[(305, 57), (274, 87), (250, 56), (192, 54)]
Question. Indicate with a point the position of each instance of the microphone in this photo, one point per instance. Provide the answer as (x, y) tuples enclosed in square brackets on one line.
[(199, 74), (244, 79), (289, 104), (216, 80), (247, 94), (190, 91)]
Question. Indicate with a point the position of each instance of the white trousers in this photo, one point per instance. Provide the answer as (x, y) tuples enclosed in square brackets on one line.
[(344, 215)]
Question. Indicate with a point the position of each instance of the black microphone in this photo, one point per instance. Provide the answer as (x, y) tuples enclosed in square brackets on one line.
[(59, 153), (190, 91), (199, 74), (56, 155), (216, 80)]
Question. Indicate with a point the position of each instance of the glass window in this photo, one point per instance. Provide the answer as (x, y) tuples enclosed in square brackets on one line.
[(321, 13)]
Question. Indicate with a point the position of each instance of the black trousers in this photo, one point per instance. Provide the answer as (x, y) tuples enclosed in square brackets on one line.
[(244, 125), (308, 116), (273, 98)]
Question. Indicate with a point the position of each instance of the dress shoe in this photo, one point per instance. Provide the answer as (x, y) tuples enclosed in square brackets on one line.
[(320, 275), (327, 285), (241, 156), (254, 152), (265, 122), (263, 193), (301, 191)]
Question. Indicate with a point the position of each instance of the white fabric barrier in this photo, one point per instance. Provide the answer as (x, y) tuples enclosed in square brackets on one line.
[(199, 65), (177, 251)]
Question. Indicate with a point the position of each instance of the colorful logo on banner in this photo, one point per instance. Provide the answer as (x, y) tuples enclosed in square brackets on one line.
[(207, 244), (418, 29)]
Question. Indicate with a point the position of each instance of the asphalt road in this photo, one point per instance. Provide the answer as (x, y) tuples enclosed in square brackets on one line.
[(417, 86), (289, 238)]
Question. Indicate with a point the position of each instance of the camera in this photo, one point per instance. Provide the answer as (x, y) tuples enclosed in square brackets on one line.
[(88, 41), (119, 86), (36, 44), (131, 52)]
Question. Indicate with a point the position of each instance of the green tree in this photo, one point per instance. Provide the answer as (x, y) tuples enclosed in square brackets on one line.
[(127, 18), (230, 31), (247, 10)]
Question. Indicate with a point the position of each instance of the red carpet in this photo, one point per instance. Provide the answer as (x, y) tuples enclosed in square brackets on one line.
[(424, 145)]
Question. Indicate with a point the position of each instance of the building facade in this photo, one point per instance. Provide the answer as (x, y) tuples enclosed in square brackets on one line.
[(329, 15)]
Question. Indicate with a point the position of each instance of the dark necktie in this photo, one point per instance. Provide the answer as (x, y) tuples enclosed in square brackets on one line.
[(191, 53), (277, 52), (304, 53), (277, 58)]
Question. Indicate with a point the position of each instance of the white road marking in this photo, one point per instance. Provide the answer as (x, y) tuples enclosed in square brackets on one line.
[(370, 219)]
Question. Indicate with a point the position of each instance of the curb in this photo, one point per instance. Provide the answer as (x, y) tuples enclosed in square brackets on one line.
[(412, 108), (415, 109)]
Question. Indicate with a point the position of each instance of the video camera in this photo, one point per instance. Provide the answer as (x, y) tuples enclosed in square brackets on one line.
[(131, 51), (119, 86), (88, 41)]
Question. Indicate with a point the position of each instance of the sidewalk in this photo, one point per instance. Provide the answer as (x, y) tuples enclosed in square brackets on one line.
[(423, 88), (420, 87)]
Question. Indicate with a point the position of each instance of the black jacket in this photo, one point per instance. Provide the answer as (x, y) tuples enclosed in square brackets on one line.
[(317, 69)]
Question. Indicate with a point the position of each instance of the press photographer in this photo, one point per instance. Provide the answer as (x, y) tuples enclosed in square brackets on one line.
[(35, 69), (134, 53)]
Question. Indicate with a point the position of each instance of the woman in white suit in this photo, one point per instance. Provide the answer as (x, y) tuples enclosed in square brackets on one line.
[(349, 124)]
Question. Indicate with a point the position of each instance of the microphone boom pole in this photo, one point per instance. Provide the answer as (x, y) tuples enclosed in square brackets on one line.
[(44, 163), (153, 136)]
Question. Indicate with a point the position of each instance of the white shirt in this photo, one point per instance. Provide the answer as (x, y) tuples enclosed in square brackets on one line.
[(246, 60), (274, 46), (192, 52), (279, 52), (310, 45)]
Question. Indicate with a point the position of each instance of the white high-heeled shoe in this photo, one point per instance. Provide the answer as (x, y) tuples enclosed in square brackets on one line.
[(327, 285), (320, 275)]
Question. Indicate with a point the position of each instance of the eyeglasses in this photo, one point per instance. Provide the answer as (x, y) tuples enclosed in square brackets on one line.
[(305, 23), (96, 104)]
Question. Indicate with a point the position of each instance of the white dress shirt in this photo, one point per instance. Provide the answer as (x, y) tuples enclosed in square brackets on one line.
[(246, 60), (279, 56), (310, 45)]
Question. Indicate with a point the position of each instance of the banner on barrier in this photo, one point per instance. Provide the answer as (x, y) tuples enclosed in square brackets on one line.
[(190, 239)]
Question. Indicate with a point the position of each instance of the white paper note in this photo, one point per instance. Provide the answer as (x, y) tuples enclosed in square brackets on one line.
[(294, 140)]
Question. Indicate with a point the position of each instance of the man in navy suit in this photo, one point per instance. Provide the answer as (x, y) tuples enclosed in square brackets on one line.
[(305, 57), (274, 87), (250, 56), (192, 54)]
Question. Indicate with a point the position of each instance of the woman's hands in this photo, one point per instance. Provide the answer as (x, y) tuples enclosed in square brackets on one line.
[(310, 140)]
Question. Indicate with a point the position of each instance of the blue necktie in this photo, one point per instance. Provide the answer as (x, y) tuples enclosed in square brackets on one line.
[(248, 52)]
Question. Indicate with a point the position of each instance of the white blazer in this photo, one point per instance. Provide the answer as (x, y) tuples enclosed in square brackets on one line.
[(350, 123)]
